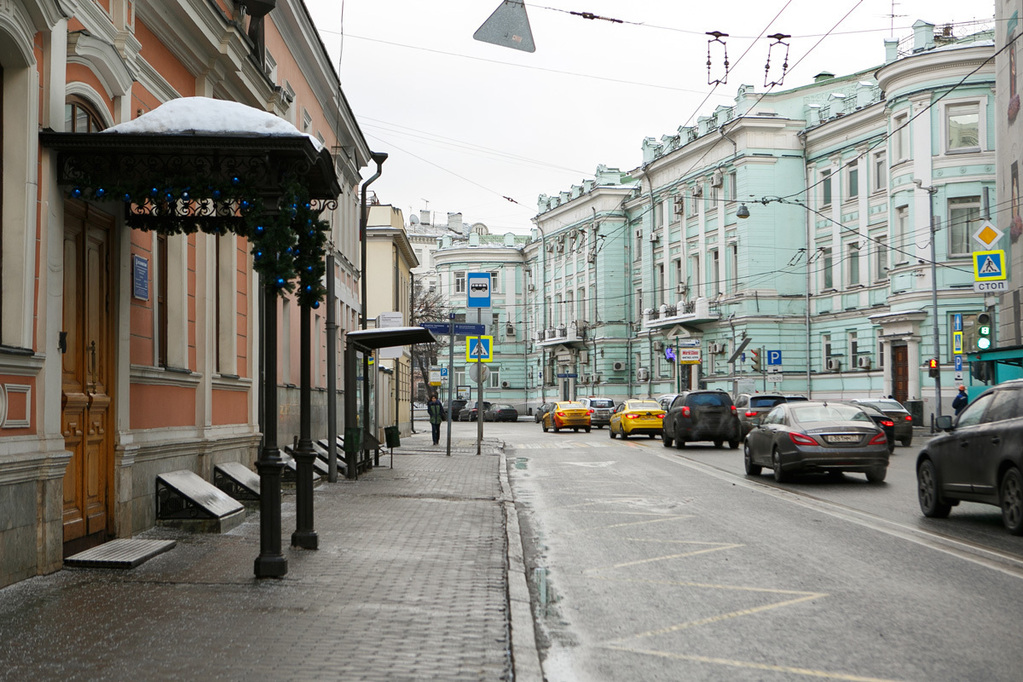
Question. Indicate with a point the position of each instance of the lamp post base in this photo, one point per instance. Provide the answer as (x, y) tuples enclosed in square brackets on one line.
[(305, 539), (271, 566)]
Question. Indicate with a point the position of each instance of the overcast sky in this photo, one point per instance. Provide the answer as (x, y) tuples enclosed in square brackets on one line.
[(468, 123)]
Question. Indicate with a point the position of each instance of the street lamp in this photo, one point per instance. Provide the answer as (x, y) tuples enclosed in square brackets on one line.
[(931, 191)]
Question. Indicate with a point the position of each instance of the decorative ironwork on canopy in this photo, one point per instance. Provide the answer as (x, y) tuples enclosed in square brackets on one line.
[(269, 189)]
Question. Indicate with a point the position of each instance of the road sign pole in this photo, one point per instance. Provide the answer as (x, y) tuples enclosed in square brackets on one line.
[(479, 392), (451, 372)]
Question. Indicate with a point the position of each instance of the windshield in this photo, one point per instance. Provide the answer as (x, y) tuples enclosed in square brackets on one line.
[(766, 401), (571, 406), (712, 399), (602, 402), (644, 405), (815, 414)]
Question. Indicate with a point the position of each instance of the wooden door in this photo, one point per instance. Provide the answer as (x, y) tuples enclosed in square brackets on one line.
[(86, 416), (900, 373)]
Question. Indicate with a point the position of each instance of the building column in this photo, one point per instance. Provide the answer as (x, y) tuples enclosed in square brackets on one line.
[(913, 367), (887, 368)]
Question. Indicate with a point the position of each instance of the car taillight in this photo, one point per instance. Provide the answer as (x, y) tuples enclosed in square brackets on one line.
[(685, 410), (886, 422), (590, 412), (751, 413), (632, 415), (800, 439), (909, 417), (561, 414), (733, 409), (660, 415), (879, 439)]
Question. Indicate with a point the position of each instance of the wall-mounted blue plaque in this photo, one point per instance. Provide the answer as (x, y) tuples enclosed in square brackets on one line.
[(140, 277)]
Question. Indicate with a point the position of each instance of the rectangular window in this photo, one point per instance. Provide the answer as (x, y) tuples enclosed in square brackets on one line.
[(676, 208), (827, 266), (495, 282), (732, 186), (580, 305), (826, 349), (679, 275), (854, 348), (459, 282), (963, 214), (853, 181), (694, 276), (901, 236), (900, 137), (963, 127), (853, 264), (880, 171), (715, 272), (659, 284), (880, 259), (638, 253), (495, 377), (733, 265), (691, 204), (658, 215), (825, 188)]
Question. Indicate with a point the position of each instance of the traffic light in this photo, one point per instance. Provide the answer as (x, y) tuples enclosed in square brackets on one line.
[(983, 331), (932, 367), (758, 363)]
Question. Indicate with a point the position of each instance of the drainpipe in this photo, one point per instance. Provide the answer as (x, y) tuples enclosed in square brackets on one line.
[(378, 158)]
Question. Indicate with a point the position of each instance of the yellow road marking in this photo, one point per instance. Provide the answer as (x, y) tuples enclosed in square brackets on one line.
[(807, 672), (712, 586), (640, 562)]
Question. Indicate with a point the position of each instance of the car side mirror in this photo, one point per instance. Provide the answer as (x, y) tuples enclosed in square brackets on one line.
[(943, 423)]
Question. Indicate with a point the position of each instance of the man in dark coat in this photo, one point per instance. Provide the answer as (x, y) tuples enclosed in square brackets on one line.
[(435, 409), (959, 404)]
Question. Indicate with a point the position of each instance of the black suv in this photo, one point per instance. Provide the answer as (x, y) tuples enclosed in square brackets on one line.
[(701, 415), (978, 459)]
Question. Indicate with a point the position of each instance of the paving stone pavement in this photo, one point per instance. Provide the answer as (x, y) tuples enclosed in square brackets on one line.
[(418, 576)]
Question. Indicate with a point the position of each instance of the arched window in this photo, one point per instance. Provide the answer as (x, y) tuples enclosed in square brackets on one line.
[(79, 117)]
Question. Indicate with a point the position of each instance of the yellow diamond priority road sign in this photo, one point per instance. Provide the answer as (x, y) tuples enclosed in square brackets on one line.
[(987, 234)]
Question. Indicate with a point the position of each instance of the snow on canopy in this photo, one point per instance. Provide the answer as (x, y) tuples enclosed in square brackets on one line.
[(204, 115)]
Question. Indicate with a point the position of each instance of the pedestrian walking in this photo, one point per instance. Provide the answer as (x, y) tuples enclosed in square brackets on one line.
[(435, 409), (959, 404)]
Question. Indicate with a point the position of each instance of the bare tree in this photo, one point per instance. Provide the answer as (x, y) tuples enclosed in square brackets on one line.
[(427, 306)]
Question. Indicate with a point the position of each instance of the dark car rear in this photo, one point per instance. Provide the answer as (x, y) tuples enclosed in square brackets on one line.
[(456, 407), (701, 415), (898, 414), (752, 407)]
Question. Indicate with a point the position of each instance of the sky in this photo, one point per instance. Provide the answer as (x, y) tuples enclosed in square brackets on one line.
[(483, 130)]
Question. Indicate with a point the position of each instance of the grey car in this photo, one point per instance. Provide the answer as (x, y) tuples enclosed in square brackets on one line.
[(701, 415), (601, 409), (752, 407), (898, 414)]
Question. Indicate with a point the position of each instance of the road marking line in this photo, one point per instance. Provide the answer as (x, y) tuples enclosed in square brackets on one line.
[(664, 558), (808, 672), (628, 523)]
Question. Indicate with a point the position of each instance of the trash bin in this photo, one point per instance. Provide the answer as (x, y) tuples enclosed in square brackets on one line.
[(353, 439), (392, 437), (916, 409)]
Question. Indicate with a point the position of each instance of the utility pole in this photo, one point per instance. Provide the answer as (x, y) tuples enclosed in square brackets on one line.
[(931, 191)]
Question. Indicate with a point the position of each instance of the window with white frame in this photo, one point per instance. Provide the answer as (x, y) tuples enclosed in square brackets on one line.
[(459, 281), (962, 127), (880, 258), (715, 271), (731, 186), (852, 181), (569, 306), (901, 236), (733, 267), (307, 120), (825, 188), (638, 251), (852, 264), (495, 282), (659, 285), (495, 377), (880, 171), (270, 67), (658, 215), (675, 208), (963, 213), (694, 276), (826, 349), (580, 304), (900, 137), (679, 275), (827, 268), (854, 347), (690, 203)]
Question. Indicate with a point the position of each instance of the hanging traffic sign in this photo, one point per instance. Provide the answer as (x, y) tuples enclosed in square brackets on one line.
[(988, 265), (478, 289), (957, 342), (987, 234), (479, 349)]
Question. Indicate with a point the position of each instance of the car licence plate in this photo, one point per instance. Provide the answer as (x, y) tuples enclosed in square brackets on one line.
[(842, 439)]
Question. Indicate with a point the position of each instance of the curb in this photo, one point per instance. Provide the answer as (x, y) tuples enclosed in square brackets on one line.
[(525, 655)]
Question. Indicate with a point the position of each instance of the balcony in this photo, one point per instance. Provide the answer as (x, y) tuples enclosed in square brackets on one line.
[(694, 312), (574, 333)]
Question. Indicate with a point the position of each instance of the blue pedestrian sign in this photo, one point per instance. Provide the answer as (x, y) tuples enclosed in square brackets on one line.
[(479, 289), (479, 349), (988, 265), (774, 357)]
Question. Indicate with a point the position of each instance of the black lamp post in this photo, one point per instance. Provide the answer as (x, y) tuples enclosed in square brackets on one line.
[(304, 535), (270, 563)]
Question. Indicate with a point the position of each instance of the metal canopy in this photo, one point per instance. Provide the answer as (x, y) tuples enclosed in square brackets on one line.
[(391, 336)]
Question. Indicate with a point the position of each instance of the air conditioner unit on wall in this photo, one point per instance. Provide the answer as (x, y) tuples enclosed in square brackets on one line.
[(509, 329), (863, 362), (717, 179), (618, 366), (643, 374), (505, 384), (655, 236), (834, 364), (715, 347)]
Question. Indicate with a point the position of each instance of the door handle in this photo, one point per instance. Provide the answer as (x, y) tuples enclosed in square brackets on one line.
[(964, 443), (92, 361), (996, 440)]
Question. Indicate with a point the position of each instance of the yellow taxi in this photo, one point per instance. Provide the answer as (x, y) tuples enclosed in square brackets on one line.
[(635, 417), (567, 415)]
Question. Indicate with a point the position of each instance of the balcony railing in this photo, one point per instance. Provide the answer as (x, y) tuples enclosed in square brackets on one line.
[(685, 311)]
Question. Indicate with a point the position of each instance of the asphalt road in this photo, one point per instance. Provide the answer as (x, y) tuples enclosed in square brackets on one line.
[(660, 564)]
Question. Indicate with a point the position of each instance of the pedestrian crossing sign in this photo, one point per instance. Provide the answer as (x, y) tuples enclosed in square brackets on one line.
[(479, 349), (988, 265)]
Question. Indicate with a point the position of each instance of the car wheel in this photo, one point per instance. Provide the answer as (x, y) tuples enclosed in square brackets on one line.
[(544, 425), (779, 475), (1011, 495), (665, 439), (877, 474), (747, 458), (927, 492), (718, 443), (652, 435), (611, 432), (625, 436), (587, 429), (680, 443), (906, 442), (734, 444), (556, 427)]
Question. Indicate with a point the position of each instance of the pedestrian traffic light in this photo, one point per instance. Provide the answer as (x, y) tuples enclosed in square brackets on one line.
[(932, 367), (983, 331), (758, 363)]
